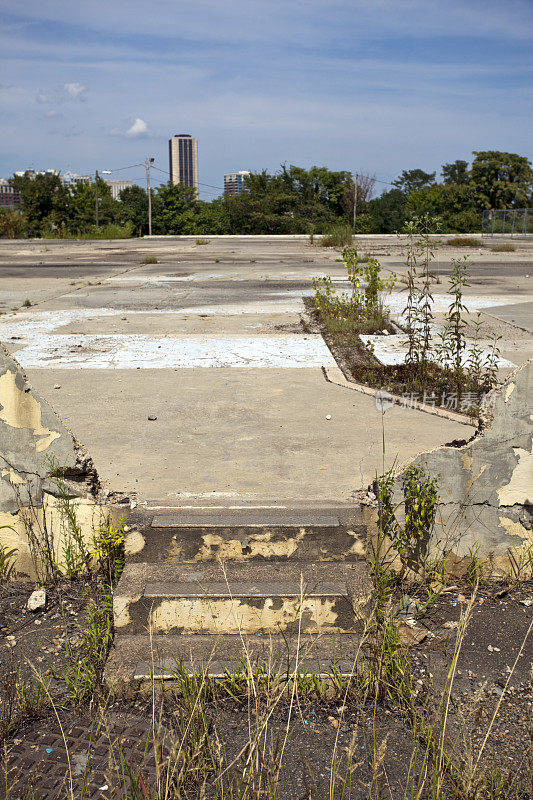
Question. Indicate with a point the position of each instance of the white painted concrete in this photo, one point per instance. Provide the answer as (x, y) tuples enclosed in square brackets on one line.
[(120, 351)]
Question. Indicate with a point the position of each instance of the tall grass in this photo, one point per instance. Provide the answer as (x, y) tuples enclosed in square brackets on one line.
[(340, 235)]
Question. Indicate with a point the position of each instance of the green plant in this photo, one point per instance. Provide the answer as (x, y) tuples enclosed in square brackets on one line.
[(490, 364), (202, 241), (474, 571), (27, 303), (21, 699), (149, 260), (340, 235), (83, 674), (7, 558), (503, 248), (454, 320), (108, 550), (76, 555), (418, 314), (420, 499), (474, 362), (414, 249), (420, 504), (464, 241)]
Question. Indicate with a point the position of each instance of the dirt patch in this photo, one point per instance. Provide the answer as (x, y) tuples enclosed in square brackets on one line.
[(39, 643), (363, 746)]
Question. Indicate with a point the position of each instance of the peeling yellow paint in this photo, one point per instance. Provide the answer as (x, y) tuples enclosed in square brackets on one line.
[(14, 477), (257, 544), (358, 547), (508, 391), (134, 543), (20, 409), (514, 528), (467, 461), (121, 611), (520, 487), (471, 482), (234, 616), (48, 520)]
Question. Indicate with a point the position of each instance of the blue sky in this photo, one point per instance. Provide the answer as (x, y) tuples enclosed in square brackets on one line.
[(370, 85)]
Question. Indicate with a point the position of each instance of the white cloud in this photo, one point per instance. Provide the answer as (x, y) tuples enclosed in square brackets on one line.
[(75, 90), (70, 92), (138, 129)]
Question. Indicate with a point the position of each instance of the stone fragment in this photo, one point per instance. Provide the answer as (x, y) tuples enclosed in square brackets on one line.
[(36, 600)]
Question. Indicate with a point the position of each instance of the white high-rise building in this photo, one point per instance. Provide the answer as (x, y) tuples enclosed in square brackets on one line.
[(235, 182)]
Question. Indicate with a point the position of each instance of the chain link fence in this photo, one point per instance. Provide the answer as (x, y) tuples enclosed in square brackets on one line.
[(514, 223)]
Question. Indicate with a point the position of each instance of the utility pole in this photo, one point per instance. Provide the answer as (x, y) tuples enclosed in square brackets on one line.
[(354, 199), (148, 162), (96, 197)]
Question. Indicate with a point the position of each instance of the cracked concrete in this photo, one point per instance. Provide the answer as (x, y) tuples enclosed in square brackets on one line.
[(486, 485), (34, 443)]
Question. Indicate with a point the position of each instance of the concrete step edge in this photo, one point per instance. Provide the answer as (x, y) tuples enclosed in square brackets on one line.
[(140, 657)]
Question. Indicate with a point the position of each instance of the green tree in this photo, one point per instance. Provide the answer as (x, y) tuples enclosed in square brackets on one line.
[(81, 206), (456, 172), (212, 218), (176, 208), (134, 208), (452, 205), (410, 180), (385, 214), (12, 223), (501, 180), (44, 201)]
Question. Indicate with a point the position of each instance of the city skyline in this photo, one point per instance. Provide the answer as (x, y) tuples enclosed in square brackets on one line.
[(373, 88)]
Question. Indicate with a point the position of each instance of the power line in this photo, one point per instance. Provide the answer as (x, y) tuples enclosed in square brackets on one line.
[(120, 169), (210, 185)]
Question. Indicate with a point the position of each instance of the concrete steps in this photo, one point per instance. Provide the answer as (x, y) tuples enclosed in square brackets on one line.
[(246, 534), (162, 656), (219, 588)]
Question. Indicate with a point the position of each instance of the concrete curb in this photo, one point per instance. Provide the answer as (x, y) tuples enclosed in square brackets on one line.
[(336, 376)]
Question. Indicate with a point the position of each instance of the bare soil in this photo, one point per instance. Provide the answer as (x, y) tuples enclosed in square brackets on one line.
[(371, 742)]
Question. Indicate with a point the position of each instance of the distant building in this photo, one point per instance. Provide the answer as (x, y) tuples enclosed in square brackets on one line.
[(9, 198), (72, 177), (183, 159), (32, 173), (235, 182), (117, 186)]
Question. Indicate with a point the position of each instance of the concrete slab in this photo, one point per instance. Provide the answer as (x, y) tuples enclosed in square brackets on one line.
[(246, 424), (231, 435), (520, 314)]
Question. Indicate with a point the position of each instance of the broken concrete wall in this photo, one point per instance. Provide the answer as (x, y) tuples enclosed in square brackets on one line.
[(485, 486), (34, 445)]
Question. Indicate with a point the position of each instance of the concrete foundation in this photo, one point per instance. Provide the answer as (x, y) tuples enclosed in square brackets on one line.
[(486, 485), (42, 470)]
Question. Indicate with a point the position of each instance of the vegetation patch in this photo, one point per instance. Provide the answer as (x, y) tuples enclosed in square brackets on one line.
[(339, 236), (503, 248), (442, 369), (464, 241)]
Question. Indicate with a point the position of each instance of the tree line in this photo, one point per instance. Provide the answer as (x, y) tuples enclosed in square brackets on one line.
[(294, 200)]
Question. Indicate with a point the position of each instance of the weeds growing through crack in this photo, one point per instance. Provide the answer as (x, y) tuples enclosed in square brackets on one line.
[(441, 366), (363, 309)]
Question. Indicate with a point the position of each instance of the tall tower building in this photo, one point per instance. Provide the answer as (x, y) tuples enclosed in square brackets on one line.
[(183, 159)]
